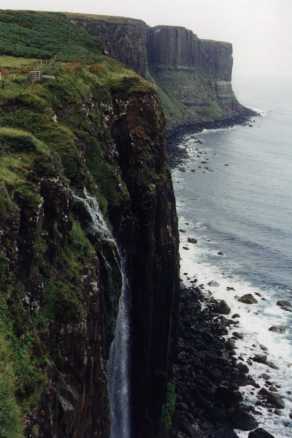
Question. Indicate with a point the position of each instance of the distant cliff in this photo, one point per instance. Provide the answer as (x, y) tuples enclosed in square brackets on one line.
[(193, 75)]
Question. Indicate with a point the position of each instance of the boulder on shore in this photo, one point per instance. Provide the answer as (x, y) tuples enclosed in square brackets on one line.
[(260, 433), (260, 358)]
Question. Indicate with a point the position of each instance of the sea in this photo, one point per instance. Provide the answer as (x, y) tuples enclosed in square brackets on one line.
[(234, 197)]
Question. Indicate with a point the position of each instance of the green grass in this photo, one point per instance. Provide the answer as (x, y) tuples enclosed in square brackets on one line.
[(106, 18), (11, 62), (44, 35)]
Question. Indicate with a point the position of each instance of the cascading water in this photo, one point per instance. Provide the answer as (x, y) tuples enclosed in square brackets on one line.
[(118, 365)]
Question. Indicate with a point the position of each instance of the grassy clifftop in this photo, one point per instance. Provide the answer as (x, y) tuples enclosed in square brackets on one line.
[(44, 35)]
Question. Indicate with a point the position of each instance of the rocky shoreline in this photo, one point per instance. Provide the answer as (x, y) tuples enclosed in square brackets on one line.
[(175, 134), (207, 374)]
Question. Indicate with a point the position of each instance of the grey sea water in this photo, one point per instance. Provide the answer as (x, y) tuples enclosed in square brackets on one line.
[(234, 195)]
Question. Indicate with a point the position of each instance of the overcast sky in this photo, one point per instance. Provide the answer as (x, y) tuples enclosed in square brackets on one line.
[(260, 30)]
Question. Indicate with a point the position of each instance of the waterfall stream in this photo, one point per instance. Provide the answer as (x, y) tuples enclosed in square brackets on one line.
[(118, 364)]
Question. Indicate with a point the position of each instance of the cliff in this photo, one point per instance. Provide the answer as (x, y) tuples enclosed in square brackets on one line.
[(84, 142), (192, 75)]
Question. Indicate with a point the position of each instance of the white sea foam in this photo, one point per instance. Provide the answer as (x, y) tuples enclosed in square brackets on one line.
[(261, 112)]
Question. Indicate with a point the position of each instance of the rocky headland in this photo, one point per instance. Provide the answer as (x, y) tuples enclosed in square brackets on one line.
[(86, 199), (192, 75)]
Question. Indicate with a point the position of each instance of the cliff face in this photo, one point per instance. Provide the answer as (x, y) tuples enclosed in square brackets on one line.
[(150, 237), (192, 75), (121, 38), (178, 48), (95, 129)]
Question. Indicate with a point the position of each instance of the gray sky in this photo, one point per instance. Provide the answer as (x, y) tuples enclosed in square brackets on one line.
[(260, 30)]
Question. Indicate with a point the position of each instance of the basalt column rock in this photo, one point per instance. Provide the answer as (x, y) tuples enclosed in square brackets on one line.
[(150, 237)]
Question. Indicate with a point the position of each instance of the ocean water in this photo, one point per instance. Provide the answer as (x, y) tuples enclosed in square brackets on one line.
[(234, 195)]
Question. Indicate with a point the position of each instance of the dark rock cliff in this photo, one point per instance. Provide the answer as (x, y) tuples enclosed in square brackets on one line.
[(124, 39), (97, 127), (192, 75), (150, 236)]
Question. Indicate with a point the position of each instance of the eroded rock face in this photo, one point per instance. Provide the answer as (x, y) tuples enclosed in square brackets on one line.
[(150, 236), (121, 38)]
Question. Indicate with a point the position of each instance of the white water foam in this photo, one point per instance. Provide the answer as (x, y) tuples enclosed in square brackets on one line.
[(254, 323)]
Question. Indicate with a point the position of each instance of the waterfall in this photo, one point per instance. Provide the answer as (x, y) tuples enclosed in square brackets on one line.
[(118, 364), (119, 367)]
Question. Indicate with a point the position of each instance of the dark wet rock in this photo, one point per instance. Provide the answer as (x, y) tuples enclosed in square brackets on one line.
[(221, 307), (278, 329), (192, 240), (260, 433), (230, 288), (237, 335), (236, 316), (247, 299), (265, 376), (207, 375), (272, 398), (285, 305), (243, 368), (271, 365), (186, 248), (213, 284), (260, 358), (244, 421)]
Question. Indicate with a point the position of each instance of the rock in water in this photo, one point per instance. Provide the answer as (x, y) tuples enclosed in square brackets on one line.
[(260, 358), (247, 299), (272, 398), (192, 240), (285, 305), (278, 329), (213, 284)]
